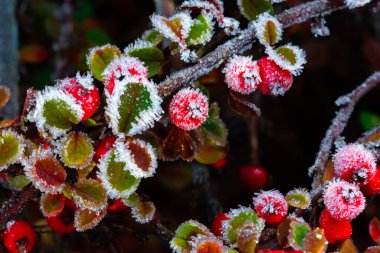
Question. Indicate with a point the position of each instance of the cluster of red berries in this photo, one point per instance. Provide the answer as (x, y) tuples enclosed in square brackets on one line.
[(244, 75), (356, 172)]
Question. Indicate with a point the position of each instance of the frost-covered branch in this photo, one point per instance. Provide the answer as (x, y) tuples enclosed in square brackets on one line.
[(212, 60), (338, 124)]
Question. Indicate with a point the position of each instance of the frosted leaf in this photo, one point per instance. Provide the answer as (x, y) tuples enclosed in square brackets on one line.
[(87, 219), (268, 29), (139, 157), (356, 3), (45, 172), (201, 30), (343, 200), (288, 57), (215, 8), (122, 68), (138, 44), (202, 243), (117, 182), (89, 194), (12, 146), (55, 111), (319, 28), (52, 204), (299, 198), (94, 50), (143, 211), (242, 74)]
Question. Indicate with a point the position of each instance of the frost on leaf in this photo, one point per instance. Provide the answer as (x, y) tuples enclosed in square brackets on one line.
[(86, 219), (251, 9), (239, 218), (118, 182), (76, 150), (99, 57), (207, 244), (184, 233), (201, 30), (123, 68), (150, 55), (356, 3), (133, 107), (45, 172), (288, 57), (11, 148), (52, 204), (283, 230), (143, 211), (5, 94), (213, 128), (215, 8), (247, 238), (315, 241), (55, 111), (131, 200), (176, 29), (89, 194), (299, 198), (139, 157), (152, 36), (268, 29), (242, 74), (297, 234)]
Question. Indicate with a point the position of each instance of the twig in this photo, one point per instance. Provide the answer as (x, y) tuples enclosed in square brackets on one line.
[(212, 60), (337, 126)]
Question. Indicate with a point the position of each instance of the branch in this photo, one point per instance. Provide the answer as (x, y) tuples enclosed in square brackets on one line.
[(338, 124), (241, 43)]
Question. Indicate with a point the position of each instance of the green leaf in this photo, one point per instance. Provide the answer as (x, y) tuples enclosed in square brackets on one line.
[(270, 33), (18, 182), (119, 183), (52, 204), (132, 199), (151, 56), (184, 233), (76, 150), (200, 32), (89, 194), (213, 128), (252, 8), (85, 219), (297, 234), (368, 120), (9, 149), (288, 54), (153, 37), (99, 58), (298, 198), (59, 114)]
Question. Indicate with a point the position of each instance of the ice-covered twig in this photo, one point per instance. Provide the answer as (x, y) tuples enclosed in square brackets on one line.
[(214, 59), (338, 124)]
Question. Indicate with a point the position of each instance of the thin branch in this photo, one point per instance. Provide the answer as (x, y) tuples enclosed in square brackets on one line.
[(338, 124), (241, 43)]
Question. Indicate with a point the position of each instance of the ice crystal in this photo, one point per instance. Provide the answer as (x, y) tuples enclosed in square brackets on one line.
[(91, 223), (319, 28), (267, 26), (343, 200), (270, 202), (294, 63), (242, 74), (356, 3), (138, 44), (93, 51), (305, 202)]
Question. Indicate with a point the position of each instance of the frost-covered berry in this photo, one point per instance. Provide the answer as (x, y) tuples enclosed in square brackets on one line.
[(188, 109), (343, 200), (274, 80), (63, 222), (242, 74), (372, 188), (271, 206), (216, 227), (254, 177), (335, 230), (104, 146), (19, 236), (354, 163), (84, 92)]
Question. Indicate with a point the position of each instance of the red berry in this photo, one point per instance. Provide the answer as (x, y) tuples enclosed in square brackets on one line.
[(87, 96), (104, 146), (188, 109), (274, 80), (117, 206), (216, 227), (354, 163), (271, 206), (254, 177), (290, 250), (374, 230), (372, 188), (335, 230), (220, 164), (64, 221), (242, 74), (343, 200), (19, 237)]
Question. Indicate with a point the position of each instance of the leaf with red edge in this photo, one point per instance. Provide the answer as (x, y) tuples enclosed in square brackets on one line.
[(52, 204), (143, 211), (89, 194), (181, 144), (86, 219), (5, 94), (242, 106), (374, 229)]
